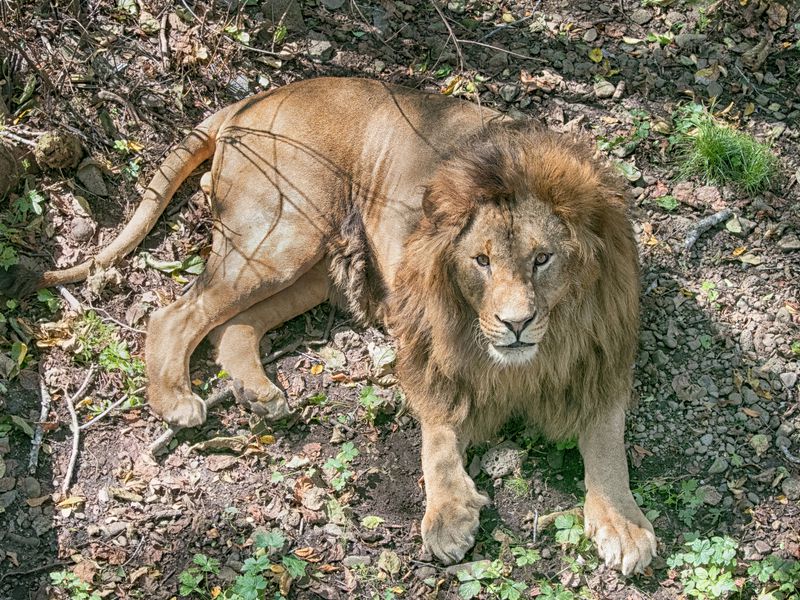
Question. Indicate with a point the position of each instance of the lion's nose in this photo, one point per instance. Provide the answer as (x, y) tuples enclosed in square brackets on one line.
[(517, 326)]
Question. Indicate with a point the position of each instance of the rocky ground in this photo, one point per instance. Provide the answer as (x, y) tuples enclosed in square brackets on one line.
[(331, 497)]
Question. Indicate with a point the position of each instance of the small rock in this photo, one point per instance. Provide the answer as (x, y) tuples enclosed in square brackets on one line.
[(641, 16), (425, 572), (7, 484), (714, 89), (5, 446), (319, 49), (604, 89), (30, 487), (686, 40), (789, 243), (7, 498), (332, 4), (239, 87), (707, 439), (762, 547), (509, 92), (720, 465), (356, 560), (82, 229), (788, 379), (709, 494), (791, 488), (457, 6), (590, 35), (502, 460), (90, 174)]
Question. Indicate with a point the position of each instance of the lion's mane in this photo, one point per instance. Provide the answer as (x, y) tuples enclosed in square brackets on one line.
[(584, 362)]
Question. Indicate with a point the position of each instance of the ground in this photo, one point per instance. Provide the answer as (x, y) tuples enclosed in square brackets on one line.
[(331, 498)]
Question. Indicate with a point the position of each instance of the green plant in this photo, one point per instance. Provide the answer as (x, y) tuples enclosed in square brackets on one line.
[(525, 556), (518, 485), (796, 347), (720, 154), (370, 402), (337, 468), (194, 580), (555, 591), (780, 578), (569, 532), (668, 203), (492, 578), (688, 501), (73, 586), (706, 567)]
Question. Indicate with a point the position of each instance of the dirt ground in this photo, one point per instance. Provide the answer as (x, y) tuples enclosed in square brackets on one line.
[(714, 438)]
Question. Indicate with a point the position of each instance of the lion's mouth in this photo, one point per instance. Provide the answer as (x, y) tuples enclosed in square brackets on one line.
[(515, 345)]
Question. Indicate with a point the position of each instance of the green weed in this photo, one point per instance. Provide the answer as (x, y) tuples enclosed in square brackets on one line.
[(780, 578), (337, 468), (73, 586), (370, 402), (492, 579), (706, 567), (720, 154)]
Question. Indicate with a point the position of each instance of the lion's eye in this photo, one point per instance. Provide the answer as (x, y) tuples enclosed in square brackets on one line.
[(482, 260), (541, 259)]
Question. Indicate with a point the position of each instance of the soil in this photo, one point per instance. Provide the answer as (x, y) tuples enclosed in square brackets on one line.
[(714, 436)]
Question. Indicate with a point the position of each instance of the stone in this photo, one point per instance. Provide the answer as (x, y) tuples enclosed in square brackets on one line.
[(789, 243), (791, 488), (357, 561), (720, 465), (502, 460), (239, 87), (58, 150), (82, 229), (641, 16), (788, 379), (709, 494), (90, 174), (320, 50), (707, 439), (762, 547), (30, 487), (604, 89), (332, 4), (590, 35), (7, 484), (509, 92)]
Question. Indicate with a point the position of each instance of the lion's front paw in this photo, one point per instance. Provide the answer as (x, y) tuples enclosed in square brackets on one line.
[(269, 403), (184, 411), (448, 528), (623, 535)]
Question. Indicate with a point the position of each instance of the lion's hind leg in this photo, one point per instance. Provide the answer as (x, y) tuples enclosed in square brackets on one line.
[(237, 341)]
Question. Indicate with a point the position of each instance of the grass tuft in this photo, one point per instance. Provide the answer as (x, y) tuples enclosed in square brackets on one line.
[(721, 155)]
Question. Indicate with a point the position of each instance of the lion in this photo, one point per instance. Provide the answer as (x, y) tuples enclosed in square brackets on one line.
[(498, 253)]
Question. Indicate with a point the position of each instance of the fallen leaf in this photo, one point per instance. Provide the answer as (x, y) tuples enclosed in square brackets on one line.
[(739, 250), (316, 369), (71, 501), (596, 55), (236, 443)]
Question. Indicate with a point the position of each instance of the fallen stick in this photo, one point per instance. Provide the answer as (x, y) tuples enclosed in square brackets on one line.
[(704, 225), (76, 432), (38, 435), (108, 410), (73, 302), (165, 438)]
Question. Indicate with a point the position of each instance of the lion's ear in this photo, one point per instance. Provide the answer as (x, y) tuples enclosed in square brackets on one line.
[(445, 207)]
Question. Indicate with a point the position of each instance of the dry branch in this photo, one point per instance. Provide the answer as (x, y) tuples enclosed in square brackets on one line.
[(704, 225), (75, 428)]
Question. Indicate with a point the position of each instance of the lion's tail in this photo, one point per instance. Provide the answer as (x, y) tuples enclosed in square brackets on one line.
[(195, 149)]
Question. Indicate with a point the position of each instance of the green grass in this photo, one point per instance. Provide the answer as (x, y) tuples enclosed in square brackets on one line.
[(719, 154)]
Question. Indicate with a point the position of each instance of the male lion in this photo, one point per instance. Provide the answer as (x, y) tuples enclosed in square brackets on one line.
[(498, 253)]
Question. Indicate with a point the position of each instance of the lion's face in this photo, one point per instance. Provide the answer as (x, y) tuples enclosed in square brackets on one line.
[(510, 265)]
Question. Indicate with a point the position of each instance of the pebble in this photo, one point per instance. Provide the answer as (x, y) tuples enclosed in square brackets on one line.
[(604, 89), (357, 560), (788, 379), (590, 35), (82, 229), (760, 443), (791, 488), (641, 16), (709, 494), (332, 4), (509, 92), (30, 487), (425, 572), (319, 49), (707, 439), (789, 243), (502, 460), (762, 547), (720, 465)]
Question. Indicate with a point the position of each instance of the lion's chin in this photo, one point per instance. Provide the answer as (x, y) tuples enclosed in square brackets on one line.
[(508, 355)]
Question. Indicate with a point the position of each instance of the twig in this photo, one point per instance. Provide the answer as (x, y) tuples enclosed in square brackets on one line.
[(789, 456), (38, 435), (535, 524), (163, 44), (23, 573), (704, 225), (499, 49), (105, 315), (109, 409), (15, 138), (452, 36), (76, 432), (73, 302), (165, 438), (513, 24)]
